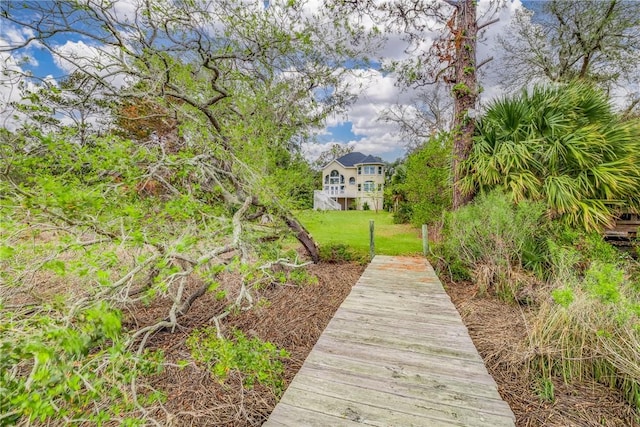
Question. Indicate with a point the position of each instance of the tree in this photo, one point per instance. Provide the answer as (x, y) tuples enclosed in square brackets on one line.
[(563, 146), (72, 105), (592, 40), (451, 58), (421, 186), (238, 85), (429, 113), (240, 79)]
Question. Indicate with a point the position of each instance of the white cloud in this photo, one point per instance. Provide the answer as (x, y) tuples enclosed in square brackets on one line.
[(12, 75), (102, 61), (379, 91)]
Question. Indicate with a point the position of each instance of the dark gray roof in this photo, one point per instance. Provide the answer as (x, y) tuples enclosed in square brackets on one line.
[(371, 159), (357, 158)]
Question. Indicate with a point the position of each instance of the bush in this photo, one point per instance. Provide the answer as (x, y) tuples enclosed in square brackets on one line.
[(492, 241), (70, 370), (561, 145), (403, 214), (259, 361), (427, 184), (339, 252)]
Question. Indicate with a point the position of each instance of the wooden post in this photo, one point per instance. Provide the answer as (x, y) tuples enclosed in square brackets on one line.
[(425, 240), (372, 245)]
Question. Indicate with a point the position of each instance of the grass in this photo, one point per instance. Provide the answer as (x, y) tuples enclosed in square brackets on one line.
[(351, 228)]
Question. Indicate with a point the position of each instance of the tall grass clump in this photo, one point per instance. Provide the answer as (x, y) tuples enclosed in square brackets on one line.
[(589, 329), (492, 241)]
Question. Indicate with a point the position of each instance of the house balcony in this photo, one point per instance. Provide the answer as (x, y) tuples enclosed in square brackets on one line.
[(336, 192)]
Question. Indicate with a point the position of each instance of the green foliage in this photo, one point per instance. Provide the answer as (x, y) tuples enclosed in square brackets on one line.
[(491, 240), (81, 227), (603, 281), (562, 146), (424, 190), (545, 389), (563, 296), (460, 89), (336, 252), (301, 277), (55, 368), (258, 361)]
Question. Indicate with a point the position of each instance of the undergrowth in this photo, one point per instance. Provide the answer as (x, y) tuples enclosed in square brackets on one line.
[(587, 323), (59, 367), (258, 361)]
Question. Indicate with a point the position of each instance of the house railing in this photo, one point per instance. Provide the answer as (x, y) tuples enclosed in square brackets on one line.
[(323, 202)]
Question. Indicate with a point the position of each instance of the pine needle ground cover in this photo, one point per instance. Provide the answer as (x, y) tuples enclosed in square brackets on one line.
[(351, 229)]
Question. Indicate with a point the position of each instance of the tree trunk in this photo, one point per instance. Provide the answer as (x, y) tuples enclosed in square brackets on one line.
[(465, 92), (304, 237)]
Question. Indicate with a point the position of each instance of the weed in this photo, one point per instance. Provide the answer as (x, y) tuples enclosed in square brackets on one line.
[(259, 361), (545, 389)]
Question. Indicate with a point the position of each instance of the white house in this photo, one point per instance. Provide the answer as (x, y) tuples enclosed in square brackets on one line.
[(352, 181)]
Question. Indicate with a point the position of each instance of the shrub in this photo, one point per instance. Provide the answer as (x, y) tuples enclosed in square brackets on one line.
[(561, 145), (491, 241), (426, 183), (339, 252), (259, 361), (72, 370)]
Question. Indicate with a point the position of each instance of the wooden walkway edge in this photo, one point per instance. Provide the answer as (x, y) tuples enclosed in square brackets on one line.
[(396, 353)]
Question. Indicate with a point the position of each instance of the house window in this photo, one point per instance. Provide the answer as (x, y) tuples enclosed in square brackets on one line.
[(352, 181), (379, 187), (335, 178), (359, 170), (326, 179), (370, 170), (359, 187), (379, 170), (369, 186)]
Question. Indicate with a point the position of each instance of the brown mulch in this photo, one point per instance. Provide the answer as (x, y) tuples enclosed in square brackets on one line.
[(499, 332), (291, 317)]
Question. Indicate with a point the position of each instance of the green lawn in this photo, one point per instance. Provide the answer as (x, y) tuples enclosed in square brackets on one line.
[(352, 229)]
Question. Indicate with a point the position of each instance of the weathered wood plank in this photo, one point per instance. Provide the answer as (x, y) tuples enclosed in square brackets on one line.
[(388, 341), (402, 357), (434, 335), (294, 416), (442, 379), (363, 413), (397, 385), (402, 317), (417, 324), (403, 401), (396, 353)]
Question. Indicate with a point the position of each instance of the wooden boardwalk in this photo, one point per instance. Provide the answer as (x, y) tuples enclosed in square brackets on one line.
[(396, 353)]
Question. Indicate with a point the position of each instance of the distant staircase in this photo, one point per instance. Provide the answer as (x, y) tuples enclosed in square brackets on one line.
[(322, 202)]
